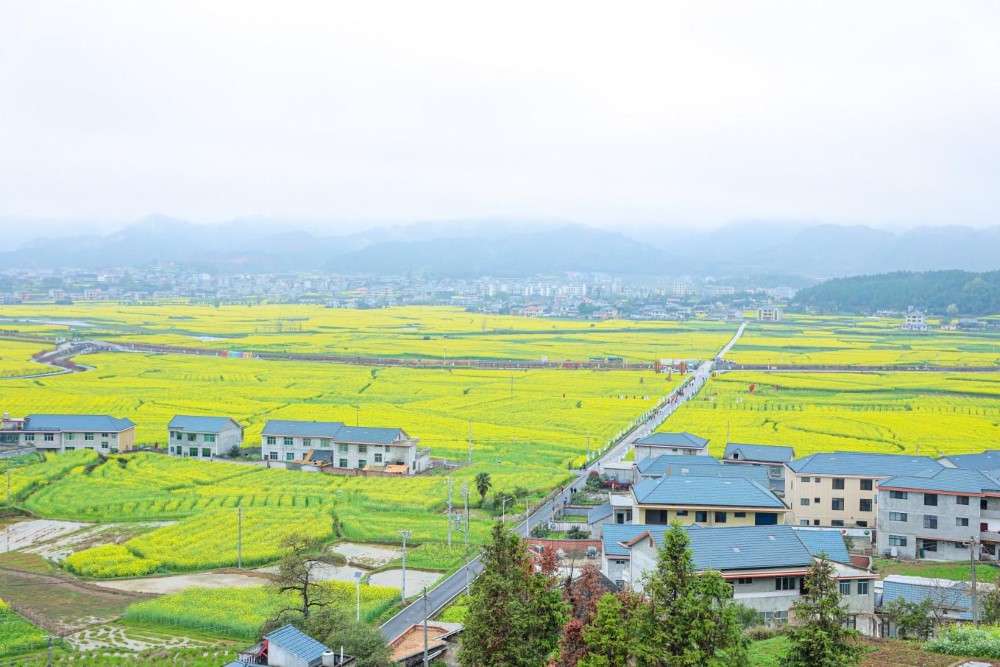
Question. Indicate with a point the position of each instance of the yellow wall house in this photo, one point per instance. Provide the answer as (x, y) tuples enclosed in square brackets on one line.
[(706, 501)]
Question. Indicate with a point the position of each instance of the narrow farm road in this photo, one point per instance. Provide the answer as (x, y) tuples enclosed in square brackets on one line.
[(454, 585)]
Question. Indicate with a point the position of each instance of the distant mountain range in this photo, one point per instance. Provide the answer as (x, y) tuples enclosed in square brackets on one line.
[(505, 248)]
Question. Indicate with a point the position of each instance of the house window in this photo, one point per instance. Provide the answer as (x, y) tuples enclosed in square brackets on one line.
[(865, 505), (193, 451), (700, 516), (287, 442), (898, 495), (289, 456), (342, 463), (720, 517), (897, 516), (681, 512), (817, 479), (961, 500), (271, 440), (897, 541), (744, 581), (862, 588), (362, 463), (861, 524), (88, 436), (50, 437), (961, 521), (178, 436), (804, 480), (206, 452), (378, 458), (804, 502), (342, 448), (104, 445), (29, 437), (785, 583), (740, 515), (959, 545), (362, 449), (930, 521), (930, 499), (192, 437), (929, 545), (837, 523), (307, 442), (866, 484), (983, 504), (838, 483), (209, 437), (845, 587), (774, 617), (838, 504), (273, 456), (803, 522), (325, 442), (817, 500)]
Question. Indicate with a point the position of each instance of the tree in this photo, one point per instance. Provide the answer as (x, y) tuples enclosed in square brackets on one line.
[(483, 485), (991, 605), (337, 626), (691, 619), (514, 613), (612, 638), (582, 595), (817, 637), (912, 619), (298, 572)]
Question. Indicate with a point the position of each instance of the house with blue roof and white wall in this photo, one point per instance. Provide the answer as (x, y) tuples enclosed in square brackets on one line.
[(59, 433), (771, 457), (203, 437), (673, 444), (335, 445), (764, 564), (706, 501), (839, 489), (290, 647)]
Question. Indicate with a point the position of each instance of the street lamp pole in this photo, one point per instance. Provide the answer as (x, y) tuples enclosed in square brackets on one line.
[(357, 584), (503, 510), (239, 538), (465, 493), (449, 510), (405, 534)]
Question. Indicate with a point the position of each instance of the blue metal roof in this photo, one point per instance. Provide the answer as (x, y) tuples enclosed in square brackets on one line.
[(723, 549), (955, 480), (705, 491), (661, 466), (600, 512), (826, 541), (951, 596), (988, 460), (200, 424), (762, 453), (76, 423), (367, 435), (292, 427), (297, 643), (656, 465), (683, 439), (863, 464)]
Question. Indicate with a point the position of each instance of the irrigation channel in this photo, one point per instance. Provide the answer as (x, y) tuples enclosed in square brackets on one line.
[(449, 589)]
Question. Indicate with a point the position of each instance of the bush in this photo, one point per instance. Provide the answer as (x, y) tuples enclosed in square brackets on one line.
[(981, 642)]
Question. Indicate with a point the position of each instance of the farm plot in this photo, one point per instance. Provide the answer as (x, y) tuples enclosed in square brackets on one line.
[(16, 631), (935, 413), (15, 359)]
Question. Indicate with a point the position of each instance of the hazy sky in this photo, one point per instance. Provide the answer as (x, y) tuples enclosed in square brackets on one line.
[(607, 113)]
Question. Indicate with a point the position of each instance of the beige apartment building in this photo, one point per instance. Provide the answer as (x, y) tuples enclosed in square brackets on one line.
[(840, 490)]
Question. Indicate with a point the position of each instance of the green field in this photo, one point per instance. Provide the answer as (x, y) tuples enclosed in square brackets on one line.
[(815, 412)]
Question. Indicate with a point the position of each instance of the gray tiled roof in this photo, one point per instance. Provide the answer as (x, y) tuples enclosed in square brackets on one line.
[(199, 424), (367, 435), (705, 491), (684, 439), (600, 512), (863, 464), (76, 423), (954, 480), (656, 465), (297, 643), (763, 453)]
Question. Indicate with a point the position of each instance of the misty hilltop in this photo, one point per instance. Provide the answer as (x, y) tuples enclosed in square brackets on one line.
[(506, 248)]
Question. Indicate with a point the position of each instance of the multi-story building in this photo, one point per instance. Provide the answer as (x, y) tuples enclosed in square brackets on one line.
[(340, 446), (769, 314), (65, 433), (839, 489), (202, 437), (771, 457), (765, 565), (937, 516), (695, 466), (658, 444), (706, 501)]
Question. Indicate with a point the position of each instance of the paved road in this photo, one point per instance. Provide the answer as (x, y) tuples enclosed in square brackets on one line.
[(453, 586)]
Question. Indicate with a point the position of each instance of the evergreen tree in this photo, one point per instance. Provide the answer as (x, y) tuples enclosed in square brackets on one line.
[(612, 637), (514, 613), (817, 637)]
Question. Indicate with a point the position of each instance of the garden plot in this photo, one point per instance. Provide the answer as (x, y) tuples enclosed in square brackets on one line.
[(108, 533), (367, 555), (180, 582), (25, 534), (322, 572), (133, 639)]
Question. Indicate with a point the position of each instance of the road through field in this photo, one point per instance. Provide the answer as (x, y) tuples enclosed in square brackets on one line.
[(453, 586)]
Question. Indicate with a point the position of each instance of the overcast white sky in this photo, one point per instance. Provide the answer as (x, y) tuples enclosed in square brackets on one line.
[(633, 113)]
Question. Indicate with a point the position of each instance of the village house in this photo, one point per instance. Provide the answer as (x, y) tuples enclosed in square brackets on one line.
[(951, 601), (769, 314), (706, 501), (765, 565), (202, 437), (696, 466), (839, 490), (344, 447), (681, 444), (290, 647), (772, 457), (65, 433), (915, 321)]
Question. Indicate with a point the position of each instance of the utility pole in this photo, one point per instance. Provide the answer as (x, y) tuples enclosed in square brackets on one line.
[(973, 548), (588, 446), (426, 663), (470, 442), (503, 510), (357, 584), (449, 510), (239, 537), (357, 415), (465, 492), (405, 534), (8, 486), (466, 570), (527, 520)]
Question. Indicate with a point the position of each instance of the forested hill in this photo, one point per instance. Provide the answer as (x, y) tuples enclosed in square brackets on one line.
[(931, 291)]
